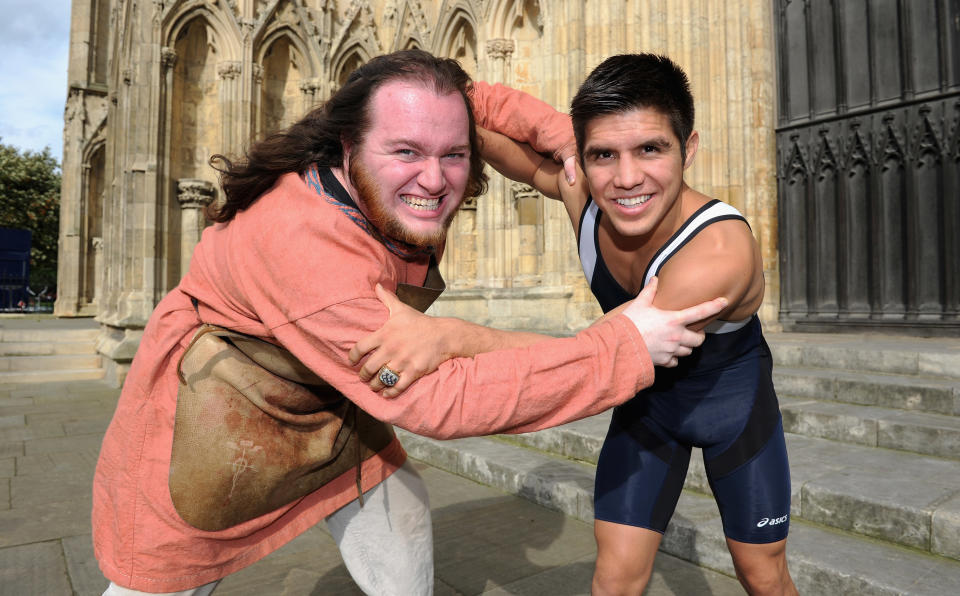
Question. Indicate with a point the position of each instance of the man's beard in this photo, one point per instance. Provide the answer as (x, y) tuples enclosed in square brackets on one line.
[(379, 215)]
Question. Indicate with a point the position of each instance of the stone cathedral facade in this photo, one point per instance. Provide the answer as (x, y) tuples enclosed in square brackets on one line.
[(156, 87)]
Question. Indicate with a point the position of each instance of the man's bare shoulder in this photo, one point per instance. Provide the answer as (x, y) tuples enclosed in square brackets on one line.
[(722, 259), (729, 238)]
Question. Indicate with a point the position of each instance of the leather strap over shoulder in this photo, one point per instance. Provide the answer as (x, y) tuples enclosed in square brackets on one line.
[(270, 356), (421, 297)]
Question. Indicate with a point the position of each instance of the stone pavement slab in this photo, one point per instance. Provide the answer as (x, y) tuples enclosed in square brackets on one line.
[(921, 433), (85, 576), (59, 462), (39, 568), (7, 467), (836, 563), (10, 448), (43, 489), (66, 375), (12, 421), (63, 444), (22, 525), (33, 363)]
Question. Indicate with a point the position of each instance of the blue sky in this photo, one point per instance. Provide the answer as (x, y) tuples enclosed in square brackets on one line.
[(34, 42)]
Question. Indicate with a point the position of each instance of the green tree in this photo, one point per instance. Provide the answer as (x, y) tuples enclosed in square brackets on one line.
[(30, 200)]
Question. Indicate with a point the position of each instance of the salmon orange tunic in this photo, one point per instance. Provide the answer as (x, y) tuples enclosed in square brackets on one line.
[(297, 268)]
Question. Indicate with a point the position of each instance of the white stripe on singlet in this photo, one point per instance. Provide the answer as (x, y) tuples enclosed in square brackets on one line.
[(691, 227), (588, 246), (589, 250)]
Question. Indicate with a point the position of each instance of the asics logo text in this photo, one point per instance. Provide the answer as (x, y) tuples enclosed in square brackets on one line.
[(772, 522)]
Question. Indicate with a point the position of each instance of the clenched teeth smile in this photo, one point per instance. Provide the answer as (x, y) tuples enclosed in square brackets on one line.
[(420, 203), (633, 201)]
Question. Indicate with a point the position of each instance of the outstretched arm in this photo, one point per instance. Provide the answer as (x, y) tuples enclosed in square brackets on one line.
[(416, 344)]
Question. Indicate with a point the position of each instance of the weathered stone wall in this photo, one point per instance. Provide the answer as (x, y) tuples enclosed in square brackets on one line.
[(156, 87)]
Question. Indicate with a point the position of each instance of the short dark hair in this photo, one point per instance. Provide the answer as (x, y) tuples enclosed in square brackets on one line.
[(630, 81), (319, 136)]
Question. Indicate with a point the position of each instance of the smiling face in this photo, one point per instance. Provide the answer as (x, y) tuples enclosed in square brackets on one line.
[(635, 171), (409, 174)]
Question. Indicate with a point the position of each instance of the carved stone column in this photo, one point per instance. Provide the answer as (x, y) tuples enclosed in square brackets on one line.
[(496, 217), (499, 51), (168, 58), (70, 265), (230, 103), (166, 170), (194, 195), (248, 87), (310, 94), (97, 244), (256, 100), (530, 225), (229, 69)]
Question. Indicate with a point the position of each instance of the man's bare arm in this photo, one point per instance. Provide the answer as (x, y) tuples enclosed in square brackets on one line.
[(723, 259), (518, 161)]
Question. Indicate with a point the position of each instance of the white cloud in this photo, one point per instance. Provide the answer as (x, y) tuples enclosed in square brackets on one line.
[(34, 44)]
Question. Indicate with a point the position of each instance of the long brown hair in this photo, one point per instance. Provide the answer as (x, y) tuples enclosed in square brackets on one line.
[(317, 138)]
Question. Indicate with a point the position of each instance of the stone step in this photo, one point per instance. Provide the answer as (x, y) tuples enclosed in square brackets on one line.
[(905, 392), (822, 560), (903, 498), (44, 376), (919, 432), (45, 335), (900, 497), (35, 348), (928, 357), (49, 363)]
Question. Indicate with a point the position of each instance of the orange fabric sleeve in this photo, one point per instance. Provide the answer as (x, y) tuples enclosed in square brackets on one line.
[(515, 390), (522, 117)]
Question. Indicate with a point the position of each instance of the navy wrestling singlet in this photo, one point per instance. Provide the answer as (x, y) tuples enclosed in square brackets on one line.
[(720, 398)]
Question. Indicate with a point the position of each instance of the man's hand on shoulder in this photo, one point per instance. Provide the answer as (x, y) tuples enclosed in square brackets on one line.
[(666, 332), (411, 343)]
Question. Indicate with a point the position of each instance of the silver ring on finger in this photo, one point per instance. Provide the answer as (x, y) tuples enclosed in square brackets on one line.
[(388, 377)]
